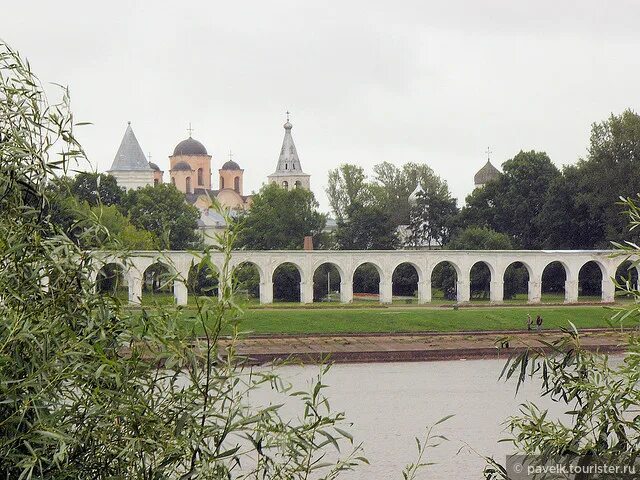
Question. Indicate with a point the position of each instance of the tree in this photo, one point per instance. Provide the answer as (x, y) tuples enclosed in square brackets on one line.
[(90, 391), (513, 204), (590, 190), (97, 188), (163, 210), (122, 234), (280, 219), (431, 218), (393, 185), (347, 185), (366, 228)]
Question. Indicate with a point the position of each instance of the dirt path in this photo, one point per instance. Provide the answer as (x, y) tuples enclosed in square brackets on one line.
[(410, 347)]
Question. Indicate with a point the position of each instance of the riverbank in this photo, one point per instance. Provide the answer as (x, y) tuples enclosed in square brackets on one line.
[(411, 347)]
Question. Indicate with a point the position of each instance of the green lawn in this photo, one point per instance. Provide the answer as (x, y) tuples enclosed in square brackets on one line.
[(387, 320)]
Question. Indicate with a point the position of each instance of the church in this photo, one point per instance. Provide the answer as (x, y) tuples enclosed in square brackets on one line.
[(190, 171)]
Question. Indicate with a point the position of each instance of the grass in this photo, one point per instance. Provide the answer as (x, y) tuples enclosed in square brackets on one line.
[(393, 320)]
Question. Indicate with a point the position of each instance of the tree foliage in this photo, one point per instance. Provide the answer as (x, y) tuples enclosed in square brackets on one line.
[(96, 189), (162, 210), (431, 218), (92, 392), (366, 227), (280, 219), (513, 203)]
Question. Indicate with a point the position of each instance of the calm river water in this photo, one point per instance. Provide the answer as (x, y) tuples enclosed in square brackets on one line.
[(391, 403)]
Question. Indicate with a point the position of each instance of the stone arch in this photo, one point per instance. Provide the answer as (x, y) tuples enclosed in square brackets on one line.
[(327, 280), (482, 275), (248, 278), (285, 185), (367, 280), (444, 277), (158, 282), (203, 279), (554, 280), (112, 277), (590, 277), (287, 279), (626, 278), (516, 279), (405, 282)]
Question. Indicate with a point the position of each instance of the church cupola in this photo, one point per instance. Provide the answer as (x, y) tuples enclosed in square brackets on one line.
[(190, 166)]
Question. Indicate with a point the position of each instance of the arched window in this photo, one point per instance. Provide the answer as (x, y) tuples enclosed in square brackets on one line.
[(236, 184), (200, 177), (221, 182), (286, 166), (173, 181), (298, 184), (285, 185), (188, 184), (155, 182)]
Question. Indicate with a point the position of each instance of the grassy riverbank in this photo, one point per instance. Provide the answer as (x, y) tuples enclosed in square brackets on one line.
[(390, 320)]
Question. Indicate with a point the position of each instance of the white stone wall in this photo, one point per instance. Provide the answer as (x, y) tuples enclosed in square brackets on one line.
[(132, 179), (346, 262)]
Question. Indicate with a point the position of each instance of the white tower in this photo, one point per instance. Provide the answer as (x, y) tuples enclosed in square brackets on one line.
[(130, 166), (289, 172)]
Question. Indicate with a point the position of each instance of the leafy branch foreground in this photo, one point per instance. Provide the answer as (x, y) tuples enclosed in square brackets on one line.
[(76, 404)]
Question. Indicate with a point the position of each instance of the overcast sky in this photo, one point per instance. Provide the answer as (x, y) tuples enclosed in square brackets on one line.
[(366, 81)]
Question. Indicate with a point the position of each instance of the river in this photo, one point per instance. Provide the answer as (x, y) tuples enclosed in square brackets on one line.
[(391, 403)]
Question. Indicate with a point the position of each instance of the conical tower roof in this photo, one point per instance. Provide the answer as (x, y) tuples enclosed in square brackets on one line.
[(288, 162), (130, 155)]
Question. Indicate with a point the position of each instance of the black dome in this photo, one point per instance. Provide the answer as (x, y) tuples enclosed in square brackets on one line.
[(154, 166), (181, 166), (230, 165), (190, 147)]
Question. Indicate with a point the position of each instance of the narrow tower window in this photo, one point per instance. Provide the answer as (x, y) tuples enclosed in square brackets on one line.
[(200, 177), (188, 184), (221, 182), (236, 184)]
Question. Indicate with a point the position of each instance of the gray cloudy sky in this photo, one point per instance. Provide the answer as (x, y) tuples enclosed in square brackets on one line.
[(366, 81)]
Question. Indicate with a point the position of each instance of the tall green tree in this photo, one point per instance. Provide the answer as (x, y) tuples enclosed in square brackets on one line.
[(591, 216), (431, 218), (280, 219), (162, 210), (366, 227), (347, 185), (392, 186), (513, 203), (97, 188)]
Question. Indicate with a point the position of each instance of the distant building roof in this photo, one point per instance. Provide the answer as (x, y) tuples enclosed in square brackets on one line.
[(190, 146), (129, 155), (154, 166), (182, 166), (486, 174), (230, 165)]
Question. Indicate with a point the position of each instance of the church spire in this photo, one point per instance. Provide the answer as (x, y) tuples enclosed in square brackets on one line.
[(289, 172), (288, 162)]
